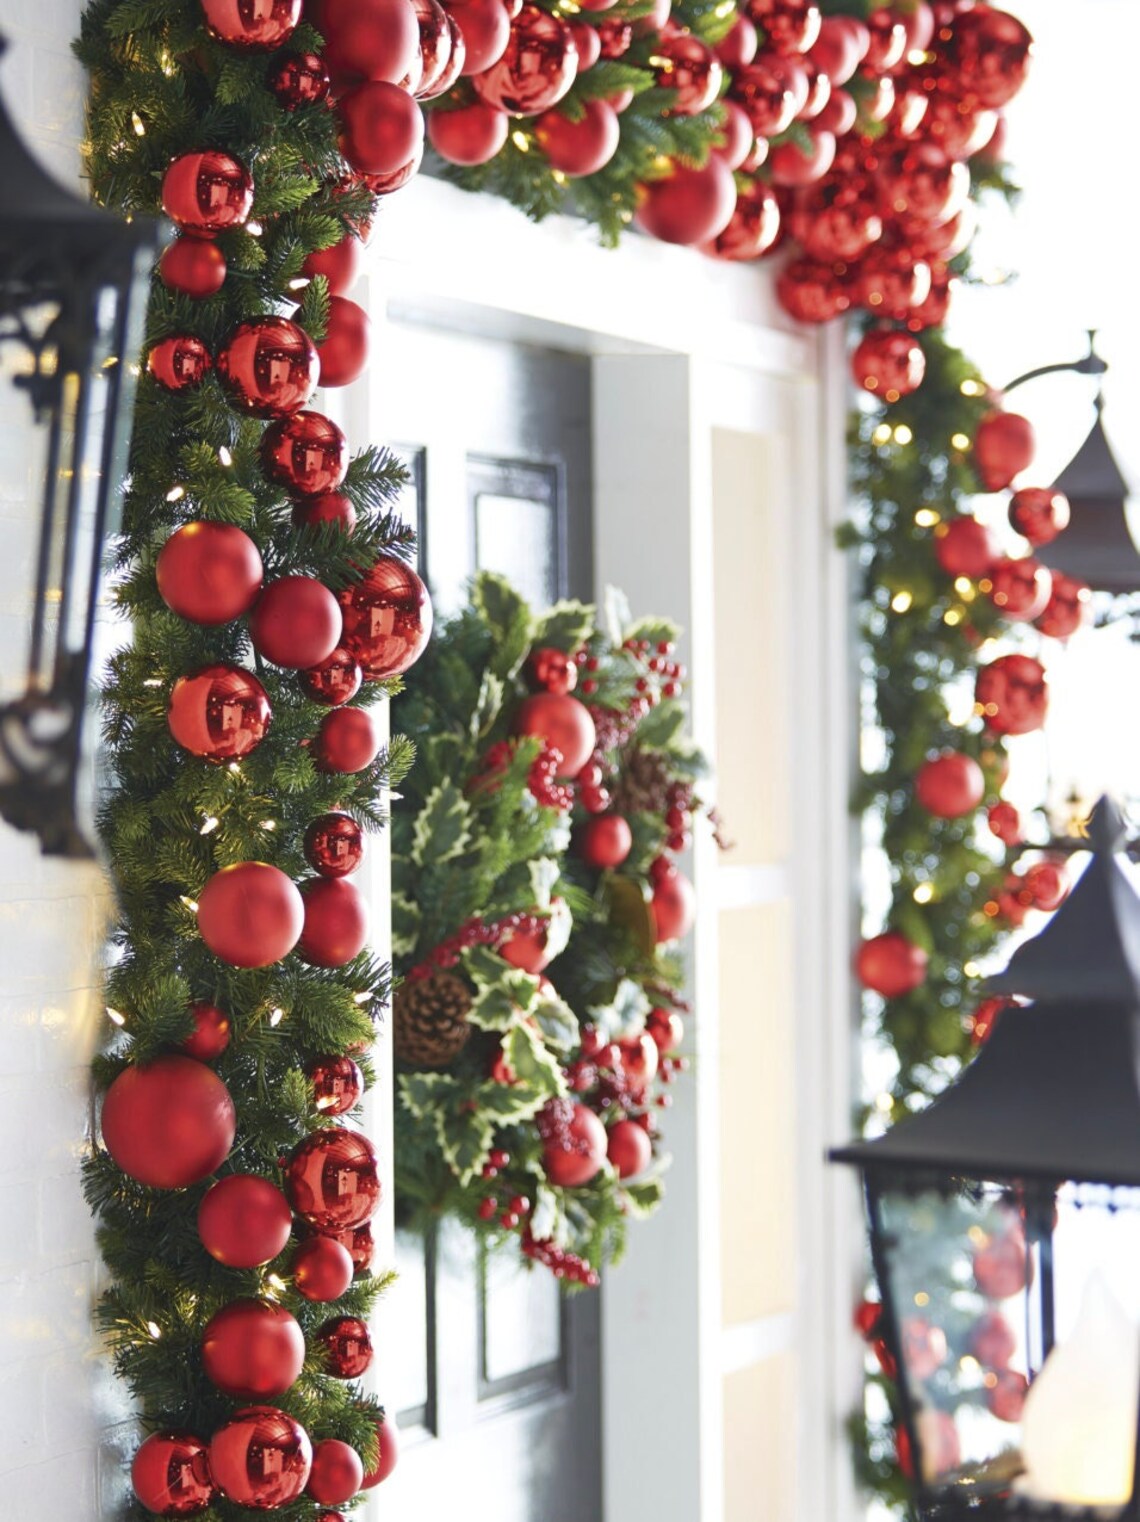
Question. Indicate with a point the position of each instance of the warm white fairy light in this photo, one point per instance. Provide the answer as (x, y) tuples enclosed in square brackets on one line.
[(190, 903), (960, 440), (901, 601), (176, 493), (924, 893), (209, 824), (972, 388), (116, 1015), (152, 681), (952, 616), (903, 435), (363, 998), (276, 1016), (138, 124), (226, 458), (234, 767), (269, 824), (521, 141), (154, 1329), (882, 434), (927, 517)]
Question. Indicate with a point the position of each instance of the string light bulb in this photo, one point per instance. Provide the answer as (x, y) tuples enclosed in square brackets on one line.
[(901, 601), (960, 440), (116, 1015), (927, 517), (209, 824), (903, 434), (190, 903)]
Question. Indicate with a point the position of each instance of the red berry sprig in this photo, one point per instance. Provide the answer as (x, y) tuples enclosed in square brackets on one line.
[(476, 932)]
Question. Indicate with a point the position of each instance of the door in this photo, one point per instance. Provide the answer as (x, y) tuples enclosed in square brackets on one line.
[(493, 1373)]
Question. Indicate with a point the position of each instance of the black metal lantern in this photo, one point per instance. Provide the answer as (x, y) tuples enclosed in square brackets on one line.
[(1005, 1232), (71, 279)]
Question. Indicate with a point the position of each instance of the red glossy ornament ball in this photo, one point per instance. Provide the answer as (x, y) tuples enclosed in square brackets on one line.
[(194, 266), (348, 1345), (564, 722), (334, 681), (537, 67), (889, 364), (1006, 1396), (387, 619), (1000, 1264), (583, 146), (472, 134), (891, 284), (296, 622), (992, 1341), (170, 1474), (207, 192), (453, 68), (766, 97), (1020, 588), (179, 362), (629, 1148), (840, 47), (220, 713), (950, 785), (1069, 607), (211, 1033), (347, 741), (435, 46), (251, 25), (485, 27), (253, 1349), (306, 452), (244, 1221), (369, 39), (674, 905), (359, 1245), (169, 1124), (921, 182), (576, 1154), (328, 507), (261, 1458), (387, 1435), (684, 64), (337, 1084), (1012, 695), (990, 52), (334, 845), (789, 26), (688, 206), (209, 573), (890, 965), (735, 137), (552, 670), (268, 367), (337, 1473), (738, 46), (1039, 513), (250, 914), (322, 1269), (792, 164), (336, 922), (812, 292), (588, 42), (1047, 884), (965, 547), (333, 1180), (344, 351), (840, 227), (1004, 820), (340, 264), (753, 227), (605, 842), (299, 80), (382, 127), (1003, 447), (839, 114)]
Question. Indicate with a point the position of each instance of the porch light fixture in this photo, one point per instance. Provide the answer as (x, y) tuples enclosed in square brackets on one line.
[(1005, 1233), (72, 277)]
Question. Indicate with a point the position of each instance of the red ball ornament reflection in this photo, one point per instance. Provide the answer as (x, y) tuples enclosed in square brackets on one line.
[(347, 741), (1012, 695), (348, 1345), (381, 127), (221, 713), (306, 452), (965, 547), (688, 206), (615, 38), (179, 362), (333, 1180), (211, 1033), (924, 1347), (250, 914), (1000, 1263), (1039, 513), (387, 619), (261, 1458), (169, 1124), (209, 573), (299, 80), (322, 1269), (1006, 1396), (336, 922), (194, 266), (889, 364), (344, 350), (244, 1221), (253, 1349), (1068, 609), (579, 147), (334, 681), (359, 1245), (812, 292), (950, 785), (537, 68), (890, 965), (684, 64), (469, 135), (1004, 446), (992, 1341), (296, 622), (268, 367), (334, 845), (170, 1474), (251, 25), (337, 1473), (1020, 588), (337, 1084), (207, 192), (990, 52), (753, 227)]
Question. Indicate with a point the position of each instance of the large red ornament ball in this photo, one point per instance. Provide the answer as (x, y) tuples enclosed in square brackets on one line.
[(605, 842), (674, 905), (336, 922), (1068, 609), (629, 1148), (268, 367), (347, 741), (537, 67), (811, 291), (387, 619), (333, 1179), (194, 266), (250, 914), (1004, 820), (306, 452), (990, 51), (296, 622), (753, 227), (688, 205), (950, 785), (890, 965), (209, 573), (369, 39), (299, 80), (170, 1474), (337, 1083), (322, 1269), (485, 28), (789, 26), (561, 720), (251, 27), (334, 681), (965, 547), (339, 264), (687, 66), (1039, 513), (337, 1473), (1012, 695), (244, 1221), (583, 146), (253, 1349), (211, 1033), (387, 1435), (207, 192), (334, 844), (344, 350), (261, 1458), (469, 135), (1020, 588), (1003, 447), (169, 1124), (179, 362), (221, 713), (382, 127), (921, 183), (348, 1345), (575, 1154), (889, 364)]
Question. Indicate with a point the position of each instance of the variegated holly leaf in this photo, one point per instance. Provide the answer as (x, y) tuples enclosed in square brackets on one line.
[(655, 630), (510, 1102), (464, 1139), (643, 1198), (565, 626), (442, 826), (509, 619), (545, 1215), (616, 615), (544, 874), (530, 1061), (556, 1020), (493, 1008), (405, 925), (422, 1094), (487, 706)]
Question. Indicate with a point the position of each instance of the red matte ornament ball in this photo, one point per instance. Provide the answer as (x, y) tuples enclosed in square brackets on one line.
[(889, 364), (327, 507), (890, 965), (552, 670), (684, 64), (1020, 588), (211, 1033), (376, 40), (989, 51), (334, 845), (250, 914), (337, 1473), (533, 951), (537, 68), (1069, 607), (337, 1083), (485, 26), (306, 452), (251, 27), (261, 1458), (339, 264), (334, 681), (322, 1269), (1012, 695), (605, 841), (564, 722), (194, 266), (336, 922), (207, 192), (348, 1345), (1004, 446), (344, 350), (268, 367), (950, 785), (575, 1156), (209, 573), (965, 547), (579, 147), (179, 362), (169, 1124), (299, 80), (333, 1180), (812, 292), (688, 206), (628, 1148), (674, 905), (381, 127), (471, 134), (295, 622), (253, 1349), (1039, 513), (388, 1438), (244, 1221), (347, 741), (753, 227), (387, 619), (170, 1474), (220, 713)]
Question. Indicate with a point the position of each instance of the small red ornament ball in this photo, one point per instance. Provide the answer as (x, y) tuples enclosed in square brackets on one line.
[(253, 1349), (339, 264), (1004, 820), (347, 741), (1068, 609), (169, 1124), (337, 1473), (382, 127), (989, 51), (244, 1221), (1020, 588), (268, 367), (485, 28), (889, 364), (790, 26), (251, 28), (334, 844), (209, 573), (579, 147), (687, 205), (194, 266), (965, 547), (328, 507), (753, 227), (924, 1347), (471, 134), (261, 1458), (296, 622), (564, 722), (666, 1027), (1039, 513), (434, 85), (299, 80), (738, 46), (179, 362), (1047, 884), (221, 713), (334, 681), (336, 922), (337, 1083), (985, 1017), (674, 905), (1000, 1264), (766, 97), (790, 164), (348, 1345), (344, 350), (576, 1154), (1012, 694), (890, 965), (950, 785), (170, 1474), (387, 1435), (1006, 1396), (550, 670), (1004, 446), (211, 1033), (387, 619), (533, 951), (735, 137), (359, 1244), (536, 69), (605, 842), (333, 1180), (368, 39), (250, 914), (306, 452), (628, 1148), (992, 1341), (207, 192), (684, 64), (811, 291), (322, 1269)]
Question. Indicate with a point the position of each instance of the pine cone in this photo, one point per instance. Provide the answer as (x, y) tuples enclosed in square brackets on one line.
[(429, 1020), (643, 785)]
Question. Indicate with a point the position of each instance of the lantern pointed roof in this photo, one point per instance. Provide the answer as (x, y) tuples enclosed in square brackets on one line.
[(1097, 546)]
